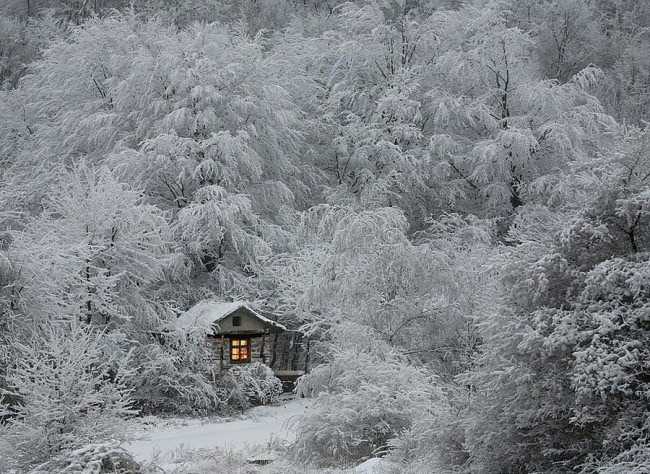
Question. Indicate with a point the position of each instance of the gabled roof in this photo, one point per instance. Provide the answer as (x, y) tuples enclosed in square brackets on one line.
[(206, 313)]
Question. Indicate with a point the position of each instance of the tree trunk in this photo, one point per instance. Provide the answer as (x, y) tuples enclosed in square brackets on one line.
[(307, 349), (221, 354), (294, 359), (274, 353)]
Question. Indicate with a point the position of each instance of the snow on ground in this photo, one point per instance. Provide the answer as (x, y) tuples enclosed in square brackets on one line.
[(262, 425), (368, 467), (251, 443)]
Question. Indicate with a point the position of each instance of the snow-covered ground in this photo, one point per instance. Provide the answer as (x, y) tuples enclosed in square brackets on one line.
[(257, 428), (184, 445)]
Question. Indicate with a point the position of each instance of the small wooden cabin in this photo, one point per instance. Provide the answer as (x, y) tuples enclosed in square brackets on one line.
[(237, 333)]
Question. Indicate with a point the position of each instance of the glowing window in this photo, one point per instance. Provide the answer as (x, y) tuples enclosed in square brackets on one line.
[(240, 350)]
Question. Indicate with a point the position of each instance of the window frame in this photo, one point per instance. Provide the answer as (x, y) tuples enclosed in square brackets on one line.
[(247, 345)]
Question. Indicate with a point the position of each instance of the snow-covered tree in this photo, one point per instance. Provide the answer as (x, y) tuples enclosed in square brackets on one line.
[(200, 119), (94, 253), (362, 267), (66, 392), (560, 383), (431, 191), (98, 254), (369, 110), (499, 131)]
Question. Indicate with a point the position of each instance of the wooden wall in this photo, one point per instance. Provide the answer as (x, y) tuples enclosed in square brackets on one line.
[(291, 351), (283, 351), (256, 349)]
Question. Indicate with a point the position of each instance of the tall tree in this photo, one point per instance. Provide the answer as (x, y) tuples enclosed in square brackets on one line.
[(561, 382)]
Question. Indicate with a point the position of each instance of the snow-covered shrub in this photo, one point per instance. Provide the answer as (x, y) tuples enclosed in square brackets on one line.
[(90, 459), (363, 400), (68, 394), (247, 385), (434, 443), (173, 376), (635, 459)]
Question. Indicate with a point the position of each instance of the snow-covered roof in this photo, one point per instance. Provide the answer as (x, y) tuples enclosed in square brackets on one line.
[(206, 313)]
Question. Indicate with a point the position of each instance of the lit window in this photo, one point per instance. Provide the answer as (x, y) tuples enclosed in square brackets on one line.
[(240, 350)]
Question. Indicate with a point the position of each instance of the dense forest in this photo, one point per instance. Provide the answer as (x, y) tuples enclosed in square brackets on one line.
[(449, 200)]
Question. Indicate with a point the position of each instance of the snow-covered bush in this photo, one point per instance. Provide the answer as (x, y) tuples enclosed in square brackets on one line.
[(635, 459), (434, 442), (68, 393), (173, 375), (90, 459), (244, 386), (363, 400)]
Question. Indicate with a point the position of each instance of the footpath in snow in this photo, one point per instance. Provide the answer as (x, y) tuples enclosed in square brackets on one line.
[(198, 446), (260, 426)]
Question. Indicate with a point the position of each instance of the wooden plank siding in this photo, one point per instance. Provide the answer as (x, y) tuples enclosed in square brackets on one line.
[(257, 354)]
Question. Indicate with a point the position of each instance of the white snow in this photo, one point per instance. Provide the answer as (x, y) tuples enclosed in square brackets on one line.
[(182, 445), (261, 426), (205, 313), (367, 467)]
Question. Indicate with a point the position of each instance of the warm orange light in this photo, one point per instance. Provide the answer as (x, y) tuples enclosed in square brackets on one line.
[(239, 349)]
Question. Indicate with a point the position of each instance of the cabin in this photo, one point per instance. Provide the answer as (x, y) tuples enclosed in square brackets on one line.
[(237, 333)]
